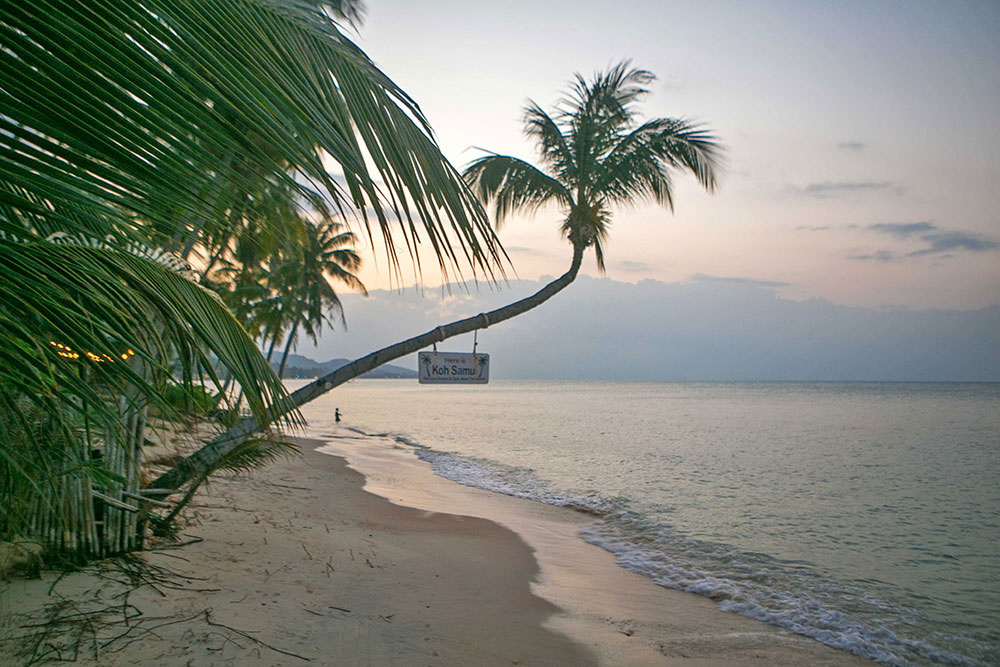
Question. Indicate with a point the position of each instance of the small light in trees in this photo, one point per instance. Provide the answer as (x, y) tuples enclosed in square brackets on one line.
[(68, 353)]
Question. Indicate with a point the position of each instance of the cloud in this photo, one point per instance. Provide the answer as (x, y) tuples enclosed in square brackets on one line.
[(939, 241), (877, 256), (732, 280), (852, 146), (522, 250), (672, 83), (632, 267), (828, 189), (942, 242), (903, 230), (809, 228)]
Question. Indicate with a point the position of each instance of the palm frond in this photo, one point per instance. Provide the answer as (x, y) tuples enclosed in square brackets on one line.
[(553, 146), (640, 165), (69, 308), (256, 453), (141, 114), (686, 145), (599, 111), (513, 184), (351, 11), (251, 454)]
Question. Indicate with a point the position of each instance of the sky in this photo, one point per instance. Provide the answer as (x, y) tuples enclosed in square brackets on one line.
[(862, 137)]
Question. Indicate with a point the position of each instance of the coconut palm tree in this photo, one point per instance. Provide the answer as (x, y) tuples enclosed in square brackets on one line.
[(277, 275), (300, 282), (595, 155)]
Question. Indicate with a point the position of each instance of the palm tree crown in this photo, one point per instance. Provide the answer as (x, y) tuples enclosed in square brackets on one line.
[(594, 155)]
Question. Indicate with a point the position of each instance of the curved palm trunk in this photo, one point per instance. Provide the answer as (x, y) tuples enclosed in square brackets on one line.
[(288, 348), (204, 458), (271, 346), (214, 259)]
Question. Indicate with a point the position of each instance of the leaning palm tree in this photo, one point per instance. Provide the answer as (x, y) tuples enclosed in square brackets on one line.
[(595, 155)]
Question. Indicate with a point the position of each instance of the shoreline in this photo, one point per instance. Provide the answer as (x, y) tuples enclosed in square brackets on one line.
[(623, 617), (365, 557)]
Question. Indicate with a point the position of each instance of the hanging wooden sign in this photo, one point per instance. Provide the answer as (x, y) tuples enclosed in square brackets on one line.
[(453, 368)]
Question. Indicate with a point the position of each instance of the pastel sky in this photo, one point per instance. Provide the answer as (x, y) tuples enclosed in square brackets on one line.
[(863, 137)]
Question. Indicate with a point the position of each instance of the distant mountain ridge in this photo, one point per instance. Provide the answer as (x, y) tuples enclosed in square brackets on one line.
[(304, 367)]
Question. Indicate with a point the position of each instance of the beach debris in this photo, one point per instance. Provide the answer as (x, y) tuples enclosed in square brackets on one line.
[(99, 621), (289, 486), (208, 619), (163, 545), (271, 574)]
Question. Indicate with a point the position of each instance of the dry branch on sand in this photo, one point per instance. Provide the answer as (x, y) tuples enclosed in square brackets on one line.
[(102, 621)]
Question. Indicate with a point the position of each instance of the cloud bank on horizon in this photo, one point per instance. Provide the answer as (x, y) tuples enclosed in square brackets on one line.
[(710, 328)]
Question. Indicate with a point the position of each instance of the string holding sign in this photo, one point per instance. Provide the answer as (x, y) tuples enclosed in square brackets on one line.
[(475, 334), (441, 332)]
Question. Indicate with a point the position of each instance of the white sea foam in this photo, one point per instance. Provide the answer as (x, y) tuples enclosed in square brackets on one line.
[(740, 585), (508, 480)]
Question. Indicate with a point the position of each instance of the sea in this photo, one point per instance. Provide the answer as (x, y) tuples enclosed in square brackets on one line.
[(864, 515)]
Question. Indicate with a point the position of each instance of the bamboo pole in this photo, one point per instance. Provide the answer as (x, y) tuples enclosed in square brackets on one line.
[(76, 530), (128, 520), (90, 518), (137, 537), (113, 501)]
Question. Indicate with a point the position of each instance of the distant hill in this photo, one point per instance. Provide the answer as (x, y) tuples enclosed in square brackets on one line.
[(304, 367)]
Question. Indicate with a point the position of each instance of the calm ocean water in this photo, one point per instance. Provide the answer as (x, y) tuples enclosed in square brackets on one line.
[(864, 515)]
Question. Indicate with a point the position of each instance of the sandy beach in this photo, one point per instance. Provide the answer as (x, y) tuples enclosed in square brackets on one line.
[(359, 555)]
